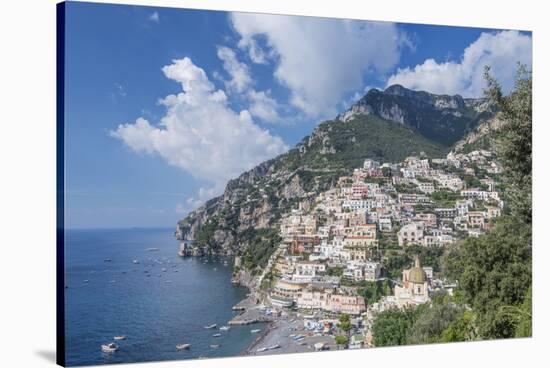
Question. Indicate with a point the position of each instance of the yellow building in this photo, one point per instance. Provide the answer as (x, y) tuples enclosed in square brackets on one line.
[(414, 290)]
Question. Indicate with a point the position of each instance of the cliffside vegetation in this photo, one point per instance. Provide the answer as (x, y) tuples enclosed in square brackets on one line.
[(338, 145)]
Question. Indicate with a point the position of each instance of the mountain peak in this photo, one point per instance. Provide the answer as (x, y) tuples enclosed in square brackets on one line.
[(397, 89), (442, 118)]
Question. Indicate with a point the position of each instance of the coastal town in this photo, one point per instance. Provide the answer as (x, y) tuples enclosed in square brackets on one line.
[(312, 290)]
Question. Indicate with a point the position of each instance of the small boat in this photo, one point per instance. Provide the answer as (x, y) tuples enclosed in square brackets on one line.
[(152, 249), (109, 348), (183, 346), (224, 328), (215, 346), (135, 261), (276, 346), (217, 335), (107, 260), (121, 337), (211, 326), (86, 280), (260, 350), (255, 331)]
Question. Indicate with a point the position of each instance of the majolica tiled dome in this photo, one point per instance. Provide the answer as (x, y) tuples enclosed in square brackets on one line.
[(417, 274)]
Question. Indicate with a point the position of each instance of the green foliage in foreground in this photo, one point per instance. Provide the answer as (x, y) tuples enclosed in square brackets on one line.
[(427, 323), (391, 327), (515, 140), (493, 271)]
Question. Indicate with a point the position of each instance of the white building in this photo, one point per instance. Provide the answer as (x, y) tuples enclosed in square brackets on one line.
[(411, 233)]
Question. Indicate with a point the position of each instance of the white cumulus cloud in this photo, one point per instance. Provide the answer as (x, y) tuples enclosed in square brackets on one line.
[(261, 104), (319, 60), (200, 133), (238, 71), (264, 106), (501, 51)]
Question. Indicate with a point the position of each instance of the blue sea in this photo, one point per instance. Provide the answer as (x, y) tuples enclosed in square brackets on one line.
[(157, 302)]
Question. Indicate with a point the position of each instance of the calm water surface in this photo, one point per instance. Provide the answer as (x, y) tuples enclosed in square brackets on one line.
[(162, 301)]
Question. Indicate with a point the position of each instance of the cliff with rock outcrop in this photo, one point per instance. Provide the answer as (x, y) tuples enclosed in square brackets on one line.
[(442, 118), (483, 137)]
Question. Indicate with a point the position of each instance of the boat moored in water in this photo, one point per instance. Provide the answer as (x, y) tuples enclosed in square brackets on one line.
[(183, 346), (209, 327), (109, 348), (121, 337)]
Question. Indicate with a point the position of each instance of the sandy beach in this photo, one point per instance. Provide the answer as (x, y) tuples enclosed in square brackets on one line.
[(279, 334)]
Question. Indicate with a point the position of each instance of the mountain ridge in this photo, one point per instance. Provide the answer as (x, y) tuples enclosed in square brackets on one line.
[(442, 118)]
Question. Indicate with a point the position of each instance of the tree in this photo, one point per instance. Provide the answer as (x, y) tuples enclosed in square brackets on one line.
[(461, 329), (395, 262), (524, 322), (372, 291), (514, 141), (518, 316), (341, 340), (391, 327), (494, 271), (344, 322), (430, 324)]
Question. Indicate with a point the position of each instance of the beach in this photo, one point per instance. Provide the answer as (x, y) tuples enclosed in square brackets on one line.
[(277, 338)]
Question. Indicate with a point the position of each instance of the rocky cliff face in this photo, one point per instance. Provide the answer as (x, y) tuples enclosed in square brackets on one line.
[(442, 118), (480, 138), (253, 201)]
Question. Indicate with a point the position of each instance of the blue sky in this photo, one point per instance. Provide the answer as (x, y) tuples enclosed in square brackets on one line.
[(163, 105)]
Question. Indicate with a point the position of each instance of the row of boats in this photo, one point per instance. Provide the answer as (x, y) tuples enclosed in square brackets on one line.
[(112, 347), (272, 347), (214, 325)]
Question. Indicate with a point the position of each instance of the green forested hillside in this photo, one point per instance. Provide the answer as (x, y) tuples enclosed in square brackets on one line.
[(337, 144)]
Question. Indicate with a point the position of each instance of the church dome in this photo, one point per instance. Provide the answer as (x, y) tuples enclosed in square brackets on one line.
[(417, 274)]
